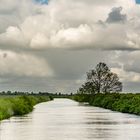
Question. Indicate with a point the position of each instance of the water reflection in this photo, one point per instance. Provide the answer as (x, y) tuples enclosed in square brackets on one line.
[(63, 119)]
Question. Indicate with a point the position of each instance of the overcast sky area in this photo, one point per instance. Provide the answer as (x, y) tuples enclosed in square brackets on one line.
[(50, 45)]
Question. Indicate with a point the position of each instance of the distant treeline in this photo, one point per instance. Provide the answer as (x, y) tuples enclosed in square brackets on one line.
[(24, 93), (126, 103), (35, 94), (19, 105)]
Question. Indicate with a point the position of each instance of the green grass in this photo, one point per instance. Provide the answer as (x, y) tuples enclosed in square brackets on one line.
[(19, 105), (126, 103)]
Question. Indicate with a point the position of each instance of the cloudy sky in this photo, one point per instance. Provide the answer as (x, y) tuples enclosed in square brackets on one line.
[(50, 45)]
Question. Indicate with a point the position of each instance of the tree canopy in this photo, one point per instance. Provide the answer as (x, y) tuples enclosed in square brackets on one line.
[(102, 80)]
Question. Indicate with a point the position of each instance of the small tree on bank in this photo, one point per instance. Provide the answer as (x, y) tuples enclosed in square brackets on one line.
[(102, 80)]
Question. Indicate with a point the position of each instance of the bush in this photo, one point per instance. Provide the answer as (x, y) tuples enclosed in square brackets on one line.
[(126, 103)]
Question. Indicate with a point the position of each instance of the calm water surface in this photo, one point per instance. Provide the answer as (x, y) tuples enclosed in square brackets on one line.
[(64, 119)]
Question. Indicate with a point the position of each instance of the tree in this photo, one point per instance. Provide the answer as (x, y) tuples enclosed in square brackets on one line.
[(102, 80), (87, 88)]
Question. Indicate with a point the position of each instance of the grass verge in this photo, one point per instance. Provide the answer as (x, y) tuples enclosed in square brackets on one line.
[(20, 105), (126, 103)]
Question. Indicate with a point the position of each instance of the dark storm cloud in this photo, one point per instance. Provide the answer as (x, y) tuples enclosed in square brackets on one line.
[(115, 16)]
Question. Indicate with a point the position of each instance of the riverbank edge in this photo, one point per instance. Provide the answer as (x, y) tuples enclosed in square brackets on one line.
[(125, 103), (20, 105)]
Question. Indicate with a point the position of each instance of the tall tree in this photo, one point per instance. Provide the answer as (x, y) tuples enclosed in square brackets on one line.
[(103, 80), (87, 88)]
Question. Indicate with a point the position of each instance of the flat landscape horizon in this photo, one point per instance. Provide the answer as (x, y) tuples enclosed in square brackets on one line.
[(69, 70)]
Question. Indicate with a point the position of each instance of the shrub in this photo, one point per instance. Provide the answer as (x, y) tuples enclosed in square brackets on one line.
[(126, 103)]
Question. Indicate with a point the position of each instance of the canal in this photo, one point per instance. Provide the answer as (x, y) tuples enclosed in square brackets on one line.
[(64, 119)]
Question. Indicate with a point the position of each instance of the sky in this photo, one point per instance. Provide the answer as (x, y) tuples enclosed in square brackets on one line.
[(138, 1), (42, 1), (49, 46)]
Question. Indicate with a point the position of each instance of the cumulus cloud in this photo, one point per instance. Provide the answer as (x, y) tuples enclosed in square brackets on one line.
[(63, 24), (12, 37), (126, 65), (127, 76), (130, 63), (64, 39), (19, 64)]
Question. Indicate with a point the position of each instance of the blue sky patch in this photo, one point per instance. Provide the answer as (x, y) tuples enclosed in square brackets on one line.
[(138, 1), (42, 1)]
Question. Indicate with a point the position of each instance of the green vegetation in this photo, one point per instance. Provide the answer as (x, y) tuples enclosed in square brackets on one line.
[(126, 103), (101, 80), (102, 89), (19, 105)]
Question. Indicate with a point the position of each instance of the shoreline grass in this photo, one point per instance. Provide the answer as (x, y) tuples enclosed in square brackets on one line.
[(19, 105), (125, 103)]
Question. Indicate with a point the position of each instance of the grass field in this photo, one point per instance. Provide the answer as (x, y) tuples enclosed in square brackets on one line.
[(18, 105)]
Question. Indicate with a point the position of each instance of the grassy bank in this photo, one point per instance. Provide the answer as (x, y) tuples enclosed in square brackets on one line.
[(20, 105), (126, 103)]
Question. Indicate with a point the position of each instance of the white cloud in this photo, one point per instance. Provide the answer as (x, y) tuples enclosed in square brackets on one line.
[(39, 41), (66, 24), (12, 37), (127, 76), (36, 40), (19, 64)]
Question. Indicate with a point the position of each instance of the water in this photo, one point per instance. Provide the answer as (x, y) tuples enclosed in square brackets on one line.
[(64, 119)]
